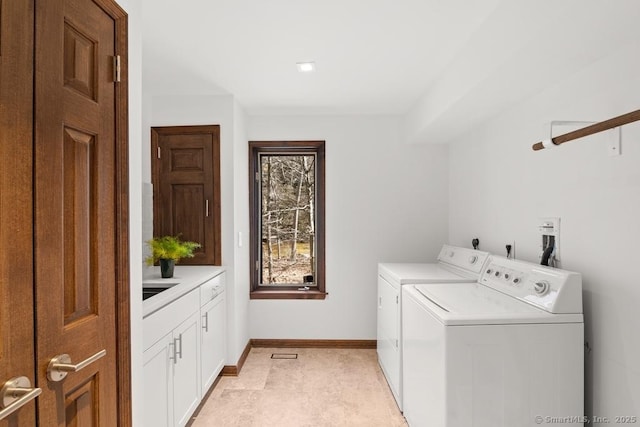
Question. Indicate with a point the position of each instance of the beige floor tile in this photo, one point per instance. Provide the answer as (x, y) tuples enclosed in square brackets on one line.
[(322, 387)]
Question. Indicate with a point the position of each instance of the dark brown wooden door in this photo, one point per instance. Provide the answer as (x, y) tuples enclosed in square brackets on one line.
[(75, 210), (186, 187), (16, 225)]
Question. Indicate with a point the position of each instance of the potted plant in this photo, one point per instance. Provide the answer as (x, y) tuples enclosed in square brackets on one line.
[(167, 250)]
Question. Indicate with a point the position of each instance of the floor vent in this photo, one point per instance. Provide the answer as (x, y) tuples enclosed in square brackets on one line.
[(284, 355)]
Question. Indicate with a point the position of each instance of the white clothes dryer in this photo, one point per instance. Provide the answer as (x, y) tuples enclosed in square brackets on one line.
[(506, 351), (454, 264)]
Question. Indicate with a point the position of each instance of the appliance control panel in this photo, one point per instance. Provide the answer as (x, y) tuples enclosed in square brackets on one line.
[(550, 289), (463, 258)]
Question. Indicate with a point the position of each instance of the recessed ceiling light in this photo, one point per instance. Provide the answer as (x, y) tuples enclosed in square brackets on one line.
[(306, 67)]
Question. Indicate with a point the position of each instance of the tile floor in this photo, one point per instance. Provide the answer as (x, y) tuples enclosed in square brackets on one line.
[(322, 387)]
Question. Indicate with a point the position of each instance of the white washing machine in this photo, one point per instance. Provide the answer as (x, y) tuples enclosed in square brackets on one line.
[(455, 264), (506, 351)]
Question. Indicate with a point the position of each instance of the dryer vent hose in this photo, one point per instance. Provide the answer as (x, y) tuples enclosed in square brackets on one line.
[(546, 255)]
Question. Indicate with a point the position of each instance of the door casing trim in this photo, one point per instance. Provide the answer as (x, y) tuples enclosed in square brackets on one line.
[(123, 302)]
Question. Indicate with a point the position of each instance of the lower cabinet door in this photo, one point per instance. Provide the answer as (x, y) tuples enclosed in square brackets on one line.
[(158, 383), (186, 370), (389, 351), (213, 340)]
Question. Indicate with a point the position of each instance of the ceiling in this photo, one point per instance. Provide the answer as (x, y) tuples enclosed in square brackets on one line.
[(432, 61)]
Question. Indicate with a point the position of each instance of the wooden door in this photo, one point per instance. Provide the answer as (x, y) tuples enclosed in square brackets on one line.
[(186, 187), (78, 202), (16, 225)]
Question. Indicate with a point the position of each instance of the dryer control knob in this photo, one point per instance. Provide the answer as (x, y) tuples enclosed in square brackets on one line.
[(541, 287), (473, 259)]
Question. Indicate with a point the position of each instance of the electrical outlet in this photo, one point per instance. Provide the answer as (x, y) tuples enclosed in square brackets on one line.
[(614, 136)]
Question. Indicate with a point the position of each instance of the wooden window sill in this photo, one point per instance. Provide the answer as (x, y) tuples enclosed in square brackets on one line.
[(286, 294)]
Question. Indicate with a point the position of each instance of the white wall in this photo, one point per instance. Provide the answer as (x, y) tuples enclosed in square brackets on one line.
[(241, 232), (176, 110), (499, 188), (385, 201)]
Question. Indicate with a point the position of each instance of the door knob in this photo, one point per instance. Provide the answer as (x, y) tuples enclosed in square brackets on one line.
[(61, 365), (16, 393)]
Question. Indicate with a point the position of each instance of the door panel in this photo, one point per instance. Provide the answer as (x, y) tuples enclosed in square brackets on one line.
[(186, 370), (187, 199), (388, 335), (76, 212), (79, 207), (158, 380), (212, 340), (81, 405), (16, 207), (186, 187), (79, 62)]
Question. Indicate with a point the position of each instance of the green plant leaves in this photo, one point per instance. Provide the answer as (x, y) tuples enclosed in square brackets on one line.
[(170, 247)]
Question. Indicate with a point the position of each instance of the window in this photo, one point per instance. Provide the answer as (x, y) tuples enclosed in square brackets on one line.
[(286, 202)]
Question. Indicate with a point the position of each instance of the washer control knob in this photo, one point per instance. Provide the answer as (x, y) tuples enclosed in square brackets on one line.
[(541, 287), (516, 280), (506, 276), (489, 271), (473, 259), (451, 254), (497, 274)]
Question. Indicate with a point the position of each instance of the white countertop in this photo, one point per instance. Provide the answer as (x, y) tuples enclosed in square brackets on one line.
[(188, 277)]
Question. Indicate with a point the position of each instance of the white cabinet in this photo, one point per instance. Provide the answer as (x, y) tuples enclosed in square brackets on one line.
[(171, 364), (186, 370), (184, 345), (158, 383), (212, 340), (388, 344)]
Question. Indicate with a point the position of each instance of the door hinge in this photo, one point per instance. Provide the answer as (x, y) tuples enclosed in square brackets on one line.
[(158, 152), (116, 68)]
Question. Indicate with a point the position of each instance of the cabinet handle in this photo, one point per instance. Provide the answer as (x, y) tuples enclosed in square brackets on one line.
[(61, 365), (172, 352), (206, 322), (380, 302), (179, 352), (16, 393), (206, 203)]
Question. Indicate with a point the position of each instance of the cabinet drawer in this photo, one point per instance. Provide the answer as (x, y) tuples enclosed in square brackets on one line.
[(163, 321), (211, 288)]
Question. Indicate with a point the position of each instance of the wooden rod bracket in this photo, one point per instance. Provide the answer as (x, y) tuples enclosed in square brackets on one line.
[(589, 130)]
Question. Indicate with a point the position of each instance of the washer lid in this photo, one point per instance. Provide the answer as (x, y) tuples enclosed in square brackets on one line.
[(404, 273), (455, 264), (476, 304)]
